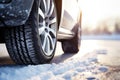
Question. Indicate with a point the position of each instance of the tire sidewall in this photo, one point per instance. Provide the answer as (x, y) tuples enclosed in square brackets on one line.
[(36, 38)]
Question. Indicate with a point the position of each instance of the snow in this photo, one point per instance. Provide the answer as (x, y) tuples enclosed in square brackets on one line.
[(101, 37), (87, 67), (62, 71)]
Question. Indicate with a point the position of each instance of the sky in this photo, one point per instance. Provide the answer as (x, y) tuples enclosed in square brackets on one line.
[(96, 10)]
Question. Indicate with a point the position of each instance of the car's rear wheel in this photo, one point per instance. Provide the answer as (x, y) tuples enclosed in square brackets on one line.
[(35, 41), (71, 46)]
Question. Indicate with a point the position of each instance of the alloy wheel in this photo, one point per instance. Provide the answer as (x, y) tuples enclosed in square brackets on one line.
[(47, 26)]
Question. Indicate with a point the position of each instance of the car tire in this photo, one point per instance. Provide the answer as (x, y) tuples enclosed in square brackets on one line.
[(71, 46), (35, 41)]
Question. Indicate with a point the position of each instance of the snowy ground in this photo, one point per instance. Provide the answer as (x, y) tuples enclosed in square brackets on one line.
[(69, 70), (97, 60)]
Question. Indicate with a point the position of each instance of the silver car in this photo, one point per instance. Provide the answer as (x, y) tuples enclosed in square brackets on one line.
[(30, 28)]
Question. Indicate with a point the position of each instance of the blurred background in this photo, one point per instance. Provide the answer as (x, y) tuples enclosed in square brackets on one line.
[(101, 29), (100, 17)]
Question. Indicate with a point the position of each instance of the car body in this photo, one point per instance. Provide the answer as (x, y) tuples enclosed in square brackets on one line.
[(14, 13)]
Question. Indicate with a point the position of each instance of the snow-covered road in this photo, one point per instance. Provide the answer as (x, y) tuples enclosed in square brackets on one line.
[(93, 62)]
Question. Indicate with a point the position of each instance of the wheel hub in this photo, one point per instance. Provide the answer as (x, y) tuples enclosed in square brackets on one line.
[(47, 26), (46, 30)]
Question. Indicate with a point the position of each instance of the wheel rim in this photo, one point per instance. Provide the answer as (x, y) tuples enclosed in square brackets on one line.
[(47, 26)]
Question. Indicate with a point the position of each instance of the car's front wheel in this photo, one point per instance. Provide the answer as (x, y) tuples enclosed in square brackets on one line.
[(35, 41)]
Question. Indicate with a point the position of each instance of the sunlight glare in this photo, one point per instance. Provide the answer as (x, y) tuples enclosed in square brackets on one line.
[(96, 10)]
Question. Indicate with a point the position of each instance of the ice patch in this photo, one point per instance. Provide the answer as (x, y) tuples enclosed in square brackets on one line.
[(101, 51), (91, 78), (103, 69)]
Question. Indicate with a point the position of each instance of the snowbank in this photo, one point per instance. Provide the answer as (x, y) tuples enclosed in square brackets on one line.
[(62, 71)]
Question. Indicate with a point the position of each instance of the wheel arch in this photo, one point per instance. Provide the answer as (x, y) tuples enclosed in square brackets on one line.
[(58, 4)]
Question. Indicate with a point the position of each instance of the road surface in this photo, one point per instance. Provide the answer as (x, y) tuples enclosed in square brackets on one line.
[(102, 55), (109, 47)]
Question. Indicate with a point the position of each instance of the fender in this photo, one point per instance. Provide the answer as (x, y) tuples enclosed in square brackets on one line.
[(16, 12), (58, 4)]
